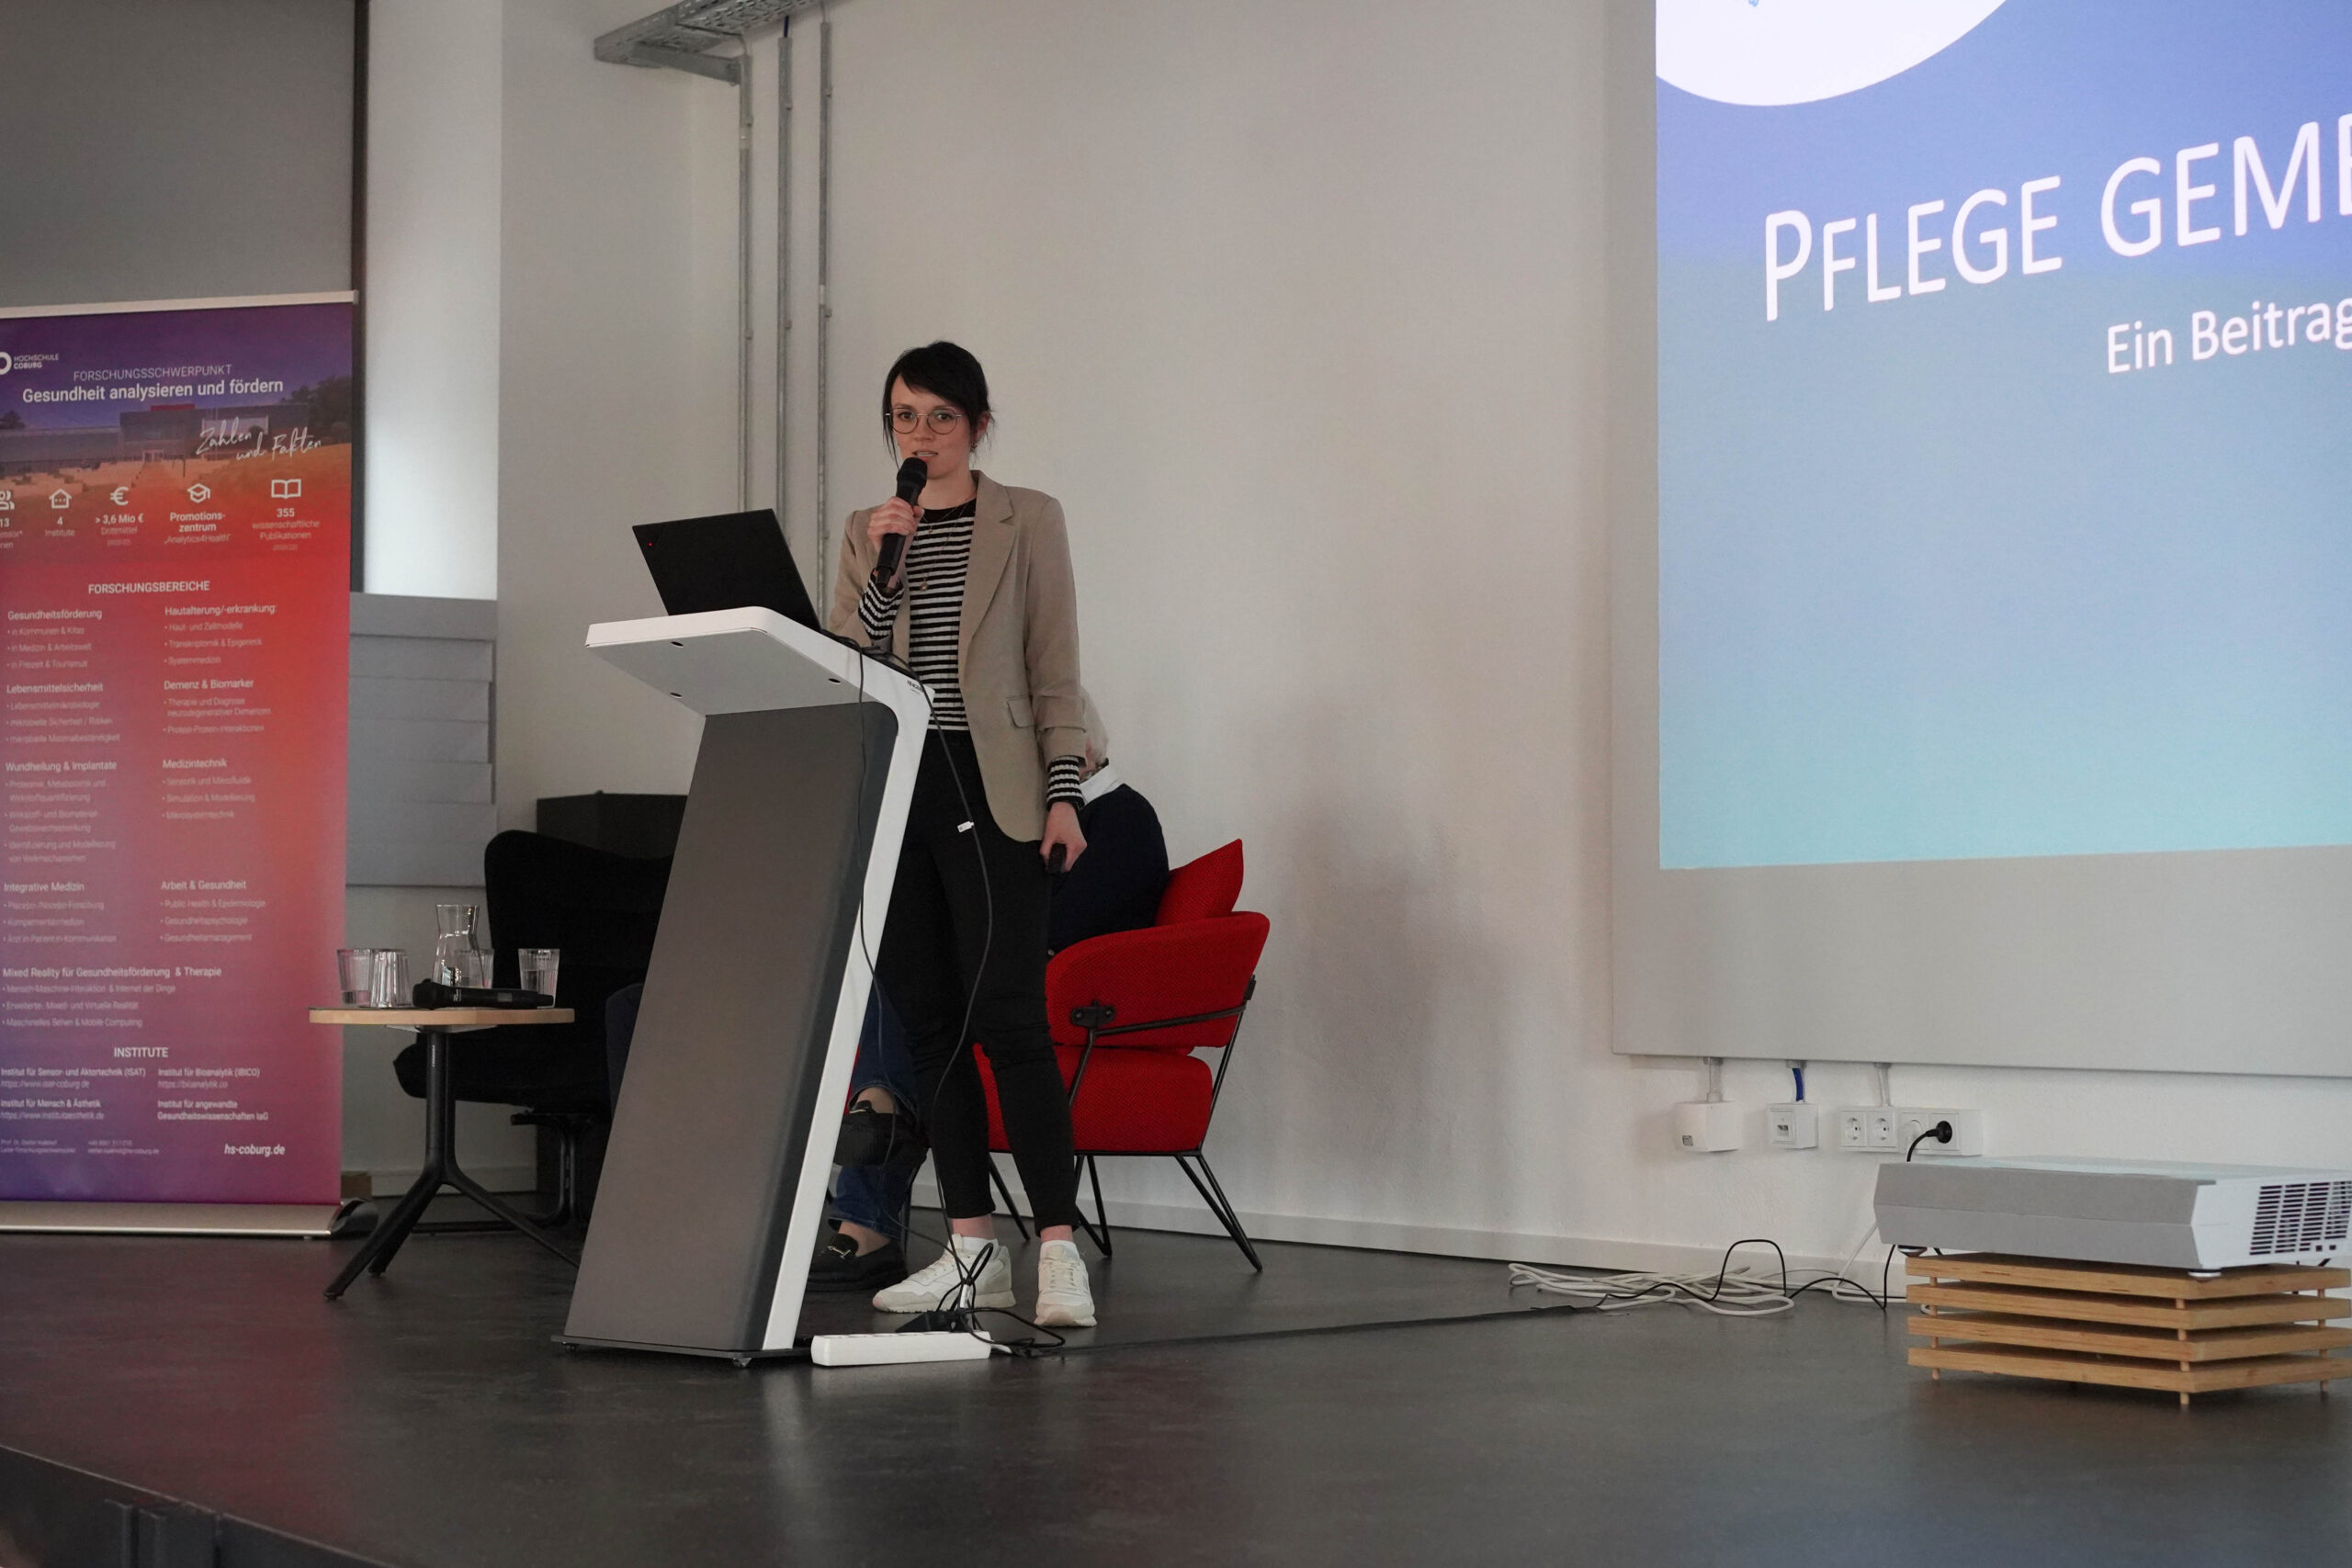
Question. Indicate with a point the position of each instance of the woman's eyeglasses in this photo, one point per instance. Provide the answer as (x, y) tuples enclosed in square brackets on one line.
[(943, 420)]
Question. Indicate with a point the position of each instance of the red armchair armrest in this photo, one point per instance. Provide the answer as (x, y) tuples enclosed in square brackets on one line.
[(1150, 977)]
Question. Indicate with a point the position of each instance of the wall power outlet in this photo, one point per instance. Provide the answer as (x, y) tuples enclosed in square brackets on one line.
[(1889, 1128), (1967, 1132)]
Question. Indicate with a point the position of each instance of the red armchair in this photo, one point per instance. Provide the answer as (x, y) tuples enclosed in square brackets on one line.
[(1129, 1009)]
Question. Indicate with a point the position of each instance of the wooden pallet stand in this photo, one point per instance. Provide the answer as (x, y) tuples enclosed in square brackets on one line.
[(2170, 1330)]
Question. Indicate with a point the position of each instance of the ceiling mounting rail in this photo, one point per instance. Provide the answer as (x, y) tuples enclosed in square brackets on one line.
[(681, 37)]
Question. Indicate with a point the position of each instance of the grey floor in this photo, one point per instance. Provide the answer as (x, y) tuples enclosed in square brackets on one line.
[(427, 1420), (1164, 1289)]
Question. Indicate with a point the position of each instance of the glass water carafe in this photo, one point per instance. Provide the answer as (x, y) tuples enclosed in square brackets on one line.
[(460, 926)]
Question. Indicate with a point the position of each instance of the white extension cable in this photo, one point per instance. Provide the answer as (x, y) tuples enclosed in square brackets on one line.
[(1737, 1293), (1728, 1292), (1845, 1284)]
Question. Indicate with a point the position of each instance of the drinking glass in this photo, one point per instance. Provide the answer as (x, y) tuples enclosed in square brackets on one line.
[(355, 972), (388, 983), (473, 968), (536, 968)]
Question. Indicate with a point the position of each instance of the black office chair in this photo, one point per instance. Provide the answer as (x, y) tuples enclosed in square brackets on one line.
[(601, 910)]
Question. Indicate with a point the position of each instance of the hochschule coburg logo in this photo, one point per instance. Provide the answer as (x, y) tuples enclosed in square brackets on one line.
[(1797, 52), (7, 363)]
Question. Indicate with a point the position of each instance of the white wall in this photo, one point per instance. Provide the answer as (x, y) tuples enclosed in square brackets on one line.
[(616, 395), (550, 321), (1300, 309), (435, 117)]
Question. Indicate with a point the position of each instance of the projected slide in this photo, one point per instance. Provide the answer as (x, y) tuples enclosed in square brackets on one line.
[(2005, 357)]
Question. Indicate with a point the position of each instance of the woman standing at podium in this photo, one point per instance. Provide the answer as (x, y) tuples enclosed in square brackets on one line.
[(984, 612)]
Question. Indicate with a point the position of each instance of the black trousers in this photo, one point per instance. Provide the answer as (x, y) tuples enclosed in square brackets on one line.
[(930, 967)]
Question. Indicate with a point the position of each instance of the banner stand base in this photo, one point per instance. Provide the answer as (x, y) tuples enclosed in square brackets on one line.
[(170, 1218)]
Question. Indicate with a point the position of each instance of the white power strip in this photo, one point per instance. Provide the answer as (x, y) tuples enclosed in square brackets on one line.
[(890, 1349)]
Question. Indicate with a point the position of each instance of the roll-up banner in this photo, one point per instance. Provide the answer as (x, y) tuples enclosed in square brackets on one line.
[(175, 576)]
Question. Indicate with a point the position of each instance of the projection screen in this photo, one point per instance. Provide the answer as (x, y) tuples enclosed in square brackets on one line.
[(1982, 531)]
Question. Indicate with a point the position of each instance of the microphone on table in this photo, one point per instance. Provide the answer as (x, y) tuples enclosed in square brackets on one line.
[(433, 994), (913, 474)]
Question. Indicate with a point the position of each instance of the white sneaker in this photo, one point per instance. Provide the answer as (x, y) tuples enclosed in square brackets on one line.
[(1063, 1299), (940, 1283)]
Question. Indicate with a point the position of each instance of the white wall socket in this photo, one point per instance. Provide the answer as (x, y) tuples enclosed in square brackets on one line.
[(1967, 1132), (1889, 1129), (1792, 1126)]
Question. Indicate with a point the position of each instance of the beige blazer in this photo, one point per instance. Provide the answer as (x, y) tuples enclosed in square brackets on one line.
[(1017, 651)]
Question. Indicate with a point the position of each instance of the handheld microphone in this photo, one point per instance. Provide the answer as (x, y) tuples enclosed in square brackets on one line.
[(913, 474), (433, 994)]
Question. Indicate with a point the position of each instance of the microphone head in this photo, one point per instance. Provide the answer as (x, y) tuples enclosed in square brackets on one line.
[(913, 474)]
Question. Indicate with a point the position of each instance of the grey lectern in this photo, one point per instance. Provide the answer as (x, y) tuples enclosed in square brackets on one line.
[(714, 1182)]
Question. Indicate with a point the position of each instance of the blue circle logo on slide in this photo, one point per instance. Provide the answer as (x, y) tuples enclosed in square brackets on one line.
[(1796, 52)]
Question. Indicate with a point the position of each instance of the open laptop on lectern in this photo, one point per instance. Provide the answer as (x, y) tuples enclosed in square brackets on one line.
[(726, 562)]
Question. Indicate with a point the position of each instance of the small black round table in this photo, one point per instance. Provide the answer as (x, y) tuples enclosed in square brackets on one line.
[(434, 1026)]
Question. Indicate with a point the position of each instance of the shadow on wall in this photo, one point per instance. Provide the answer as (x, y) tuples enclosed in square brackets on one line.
[(1388, 1003)]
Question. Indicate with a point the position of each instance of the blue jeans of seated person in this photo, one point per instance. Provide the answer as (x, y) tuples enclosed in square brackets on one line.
[(875, 1196), (870, 1195)]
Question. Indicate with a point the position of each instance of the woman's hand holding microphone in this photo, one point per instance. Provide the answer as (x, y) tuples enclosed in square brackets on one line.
[(893, 516)]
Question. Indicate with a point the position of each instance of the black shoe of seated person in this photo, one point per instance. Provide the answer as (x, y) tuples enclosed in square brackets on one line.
[(839, 1266), (878, 1137)]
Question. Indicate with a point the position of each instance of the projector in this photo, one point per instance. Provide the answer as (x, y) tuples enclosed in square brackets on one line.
[(2160, 1215)]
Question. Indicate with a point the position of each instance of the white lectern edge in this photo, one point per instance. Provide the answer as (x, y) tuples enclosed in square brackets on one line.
[(860, 677)]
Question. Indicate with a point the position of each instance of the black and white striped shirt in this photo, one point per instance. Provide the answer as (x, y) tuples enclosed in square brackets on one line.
[(937, 560)]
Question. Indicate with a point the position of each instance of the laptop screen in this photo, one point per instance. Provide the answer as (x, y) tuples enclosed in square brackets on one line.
[(725, 563)]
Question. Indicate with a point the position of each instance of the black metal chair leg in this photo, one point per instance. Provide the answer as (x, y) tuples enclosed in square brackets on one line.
[(1231, 1216), (567, 1185), (566, 1128), (1213, 1196), (1103, 1216), (567, 1177), (1193, 1177), (1005, 1193)]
